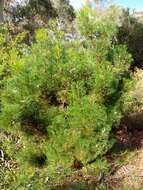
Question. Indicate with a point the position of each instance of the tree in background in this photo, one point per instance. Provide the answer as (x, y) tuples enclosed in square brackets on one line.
[(42, 10), (32, 8), (64, 10), (130, 33)]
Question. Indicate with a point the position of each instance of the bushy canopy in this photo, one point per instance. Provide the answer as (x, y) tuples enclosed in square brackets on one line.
[(67, 94)]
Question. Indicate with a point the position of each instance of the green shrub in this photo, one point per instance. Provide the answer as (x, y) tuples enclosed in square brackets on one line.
[(130, 33), (69, 93)]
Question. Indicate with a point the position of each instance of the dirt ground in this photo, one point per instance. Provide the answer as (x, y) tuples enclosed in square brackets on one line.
[(130, 175)]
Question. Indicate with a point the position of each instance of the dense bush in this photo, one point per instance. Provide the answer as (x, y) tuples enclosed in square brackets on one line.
[(130, 33), (69, 93)]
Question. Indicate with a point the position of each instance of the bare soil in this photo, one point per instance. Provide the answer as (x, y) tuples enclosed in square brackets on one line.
[(130, 174)]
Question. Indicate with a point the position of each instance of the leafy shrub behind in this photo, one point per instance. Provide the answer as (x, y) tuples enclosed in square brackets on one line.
[(130, 33)]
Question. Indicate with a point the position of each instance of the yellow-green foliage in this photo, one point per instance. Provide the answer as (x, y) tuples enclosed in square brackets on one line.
[(68, 94)]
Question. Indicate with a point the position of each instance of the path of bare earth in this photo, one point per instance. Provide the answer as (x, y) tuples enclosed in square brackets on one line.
[(130, 174)]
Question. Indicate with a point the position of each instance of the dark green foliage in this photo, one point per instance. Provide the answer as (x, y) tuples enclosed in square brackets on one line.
[(130, 33), (65, 10), (42, 11), (38, 159), (32, 115), (33, 7)]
